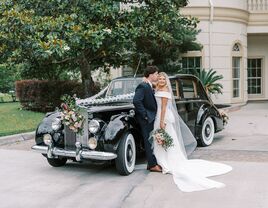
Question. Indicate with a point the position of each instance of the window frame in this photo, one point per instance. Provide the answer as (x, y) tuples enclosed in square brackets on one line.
[(262, 94), (189, 69)]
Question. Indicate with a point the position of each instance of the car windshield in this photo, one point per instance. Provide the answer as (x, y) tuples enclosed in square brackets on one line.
[(122, 86)]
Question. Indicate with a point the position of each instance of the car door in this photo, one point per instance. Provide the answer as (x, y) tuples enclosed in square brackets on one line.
[(180, 104)]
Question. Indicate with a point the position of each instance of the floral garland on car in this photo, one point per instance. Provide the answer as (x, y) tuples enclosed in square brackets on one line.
[(95, 100), (70, 114)]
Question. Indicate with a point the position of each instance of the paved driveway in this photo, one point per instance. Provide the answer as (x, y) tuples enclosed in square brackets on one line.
[(26, 180)]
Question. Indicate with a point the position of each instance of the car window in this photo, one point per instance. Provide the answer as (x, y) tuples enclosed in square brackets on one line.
[(175, 87), (189, 89), (122, 86)]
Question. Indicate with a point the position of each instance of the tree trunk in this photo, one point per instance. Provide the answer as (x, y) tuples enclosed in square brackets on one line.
[(87, 81)]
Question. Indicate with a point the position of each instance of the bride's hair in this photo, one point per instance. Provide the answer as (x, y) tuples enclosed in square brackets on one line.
[(163, 74)]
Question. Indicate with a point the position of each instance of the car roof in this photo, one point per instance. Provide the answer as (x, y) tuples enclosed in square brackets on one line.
[(170, 76)]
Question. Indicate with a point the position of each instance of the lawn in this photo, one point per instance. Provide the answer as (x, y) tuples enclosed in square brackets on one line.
[(13, 120)]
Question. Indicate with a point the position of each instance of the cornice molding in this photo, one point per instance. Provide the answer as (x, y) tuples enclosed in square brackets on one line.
[(228, 14), (258, 19), (220, 14)]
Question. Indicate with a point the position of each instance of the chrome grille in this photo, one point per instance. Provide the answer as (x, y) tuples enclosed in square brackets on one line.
[(70, 138)]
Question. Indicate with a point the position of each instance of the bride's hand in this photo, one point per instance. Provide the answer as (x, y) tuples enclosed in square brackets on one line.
[(162, 125)]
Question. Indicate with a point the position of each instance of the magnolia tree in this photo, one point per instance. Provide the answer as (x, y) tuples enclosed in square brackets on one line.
[(83, 34), (163, 33), (88, 34)]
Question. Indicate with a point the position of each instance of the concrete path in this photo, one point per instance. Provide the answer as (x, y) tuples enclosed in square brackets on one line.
[(26, 180)]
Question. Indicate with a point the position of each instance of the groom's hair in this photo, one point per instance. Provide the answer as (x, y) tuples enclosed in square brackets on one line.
[(150, 70)]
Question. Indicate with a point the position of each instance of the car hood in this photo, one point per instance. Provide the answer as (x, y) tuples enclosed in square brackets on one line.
[(110, 107)]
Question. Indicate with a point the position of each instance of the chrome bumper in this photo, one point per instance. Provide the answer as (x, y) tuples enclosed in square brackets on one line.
[(53, 152)]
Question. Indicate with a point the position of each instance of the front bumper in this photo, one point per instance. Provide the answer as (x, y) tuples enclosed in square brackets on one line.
[(79, 154)]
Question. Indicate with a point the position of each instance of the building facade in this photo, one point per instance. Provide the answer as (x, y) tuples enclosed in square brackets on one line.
[(234, 35)]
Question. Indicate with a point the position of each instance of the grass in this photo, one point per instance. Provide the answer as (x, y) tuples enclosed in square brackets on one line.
[(13, 120)]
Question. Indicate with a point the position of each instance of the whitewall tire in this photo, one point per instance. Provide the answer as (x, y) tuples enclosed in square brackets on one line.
[(207, 133), (126, 155)]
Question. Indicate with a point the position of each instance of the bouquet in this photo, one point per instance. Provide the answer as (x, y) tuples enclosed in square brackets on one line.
[(162, 138), (70, 114)]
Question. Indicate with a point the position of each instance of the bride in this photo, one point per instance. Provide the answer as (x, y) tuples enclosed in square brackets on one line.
[(189, 175)]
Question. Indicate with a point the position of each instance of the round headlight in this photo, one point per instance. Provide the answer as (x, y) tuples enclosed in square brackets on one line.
[(93, 126), (47, 138), (56, 124), (92, 143)]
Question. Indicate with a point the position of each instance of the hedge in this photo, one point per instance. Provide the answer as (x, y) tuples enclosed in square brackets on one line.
[(44, 95)]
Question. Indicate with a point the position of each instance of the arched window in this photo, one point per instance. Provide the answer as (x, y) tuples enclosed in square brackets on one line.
[(236, 70), (236, 47)]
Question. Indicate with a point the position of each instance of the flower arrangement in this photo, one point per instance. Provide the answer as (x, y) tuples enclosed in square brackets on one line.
[(162, 138), (224, 116), (70, 114)]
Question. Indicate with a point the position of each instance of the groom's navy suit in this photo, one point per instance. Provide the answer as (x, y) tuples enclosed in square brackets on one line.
[(146, 107)]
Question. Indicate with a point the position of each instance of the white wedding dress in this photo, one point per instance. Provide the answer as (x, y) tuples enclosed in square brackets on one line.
[(189, 175)]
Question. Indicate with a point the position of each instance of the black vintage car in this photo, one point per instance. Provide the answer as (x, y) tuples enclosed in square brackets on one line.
[(110, 130)]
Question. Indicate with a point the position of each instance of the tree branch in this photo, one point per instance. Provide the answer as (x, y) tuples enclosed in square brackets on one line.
[(62, 61)]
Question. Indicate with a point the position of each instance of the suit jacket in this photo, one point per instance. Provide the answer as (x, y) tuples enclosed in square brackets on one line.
[(145, 103)]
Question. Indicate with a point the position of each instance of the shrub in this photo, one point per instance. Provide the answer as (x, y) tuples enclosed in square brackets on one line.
[(44, 95)]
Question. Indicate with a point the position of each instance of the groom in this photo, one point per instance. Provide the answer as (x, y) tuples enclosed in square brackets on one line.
[(146, 107)]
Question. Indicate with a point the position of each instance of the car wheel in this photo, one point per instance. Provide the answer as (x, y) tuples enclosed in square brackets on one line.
[(207, 133), (126, 155), (57, 162)]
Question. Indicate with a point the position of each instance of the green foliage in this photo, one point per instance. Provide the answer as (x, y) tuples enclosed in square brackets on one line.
[(59, 31), (56, 35), (162, 32), (69, 101), (8, 76), (14, 120), (210, 81), (51, 35)]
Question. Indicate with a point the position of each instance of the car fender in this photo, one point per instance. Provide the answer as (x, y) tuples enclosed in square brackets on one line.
[(45, 126), (202, 114), (114, 131)]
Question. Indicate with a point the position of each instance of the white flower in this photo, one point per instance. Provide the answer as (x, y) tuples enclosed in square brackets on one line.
[(74, 117), (66, 48), (109, 31), (49, 52)]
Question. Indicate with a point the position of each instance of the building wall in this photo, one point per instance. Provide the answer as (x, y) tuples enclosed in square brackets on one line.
[(258, 48), (222, 27)]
